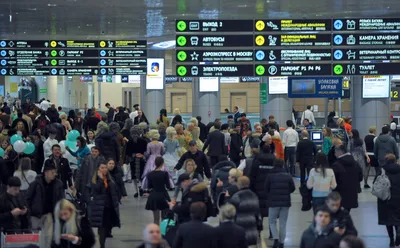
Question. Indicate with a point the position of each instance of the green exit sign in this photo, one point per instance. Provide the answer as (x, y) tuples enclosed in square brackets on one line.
[(44, 90)]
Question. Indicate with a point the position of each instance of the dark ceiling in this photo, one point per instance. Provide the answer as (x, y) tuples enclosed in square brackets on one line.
[(155, 19)]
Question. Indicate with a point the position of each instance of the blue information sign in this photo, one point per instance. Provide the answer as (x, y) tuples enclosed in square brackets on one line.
[(315, 87)]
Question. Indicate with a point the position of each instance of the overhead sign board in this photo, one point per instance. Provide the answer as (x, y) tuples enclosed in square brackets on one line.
[(213, 25), (292, 25), (215, 55), (71, 57), (315, 87), (367, 24)]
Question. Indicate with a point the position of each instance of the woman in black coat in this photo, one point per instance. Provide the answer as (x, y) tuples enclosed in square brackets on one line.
[(389, 211), (70, 229), (104, 204), (248, 213), (117, 176)]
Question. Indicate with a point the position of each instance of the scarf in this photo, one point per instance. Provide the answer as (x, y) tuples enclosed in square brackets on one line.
[(105, 182)]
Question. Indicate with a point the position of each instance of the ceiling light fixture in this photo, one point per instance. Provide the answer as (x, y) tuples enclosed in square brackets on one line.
[(51, 5)]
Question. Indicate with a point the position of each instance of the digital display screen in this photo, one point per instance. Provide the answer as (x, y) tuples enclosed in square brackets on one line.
[(306, 86), (72, 57), (376, 86), (208, 84), (316, 136), (214, 25), (155, 74), (277, 85), (291, 25)]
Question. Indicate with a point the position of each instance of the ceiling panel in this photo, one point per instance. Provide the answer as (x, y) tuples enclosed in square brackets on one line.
[(154, 19)]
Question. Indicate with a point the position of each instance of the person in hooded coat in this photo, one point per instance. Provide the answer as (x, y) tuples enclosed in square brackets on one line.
[(261, 167), (248, 213), (221, 173), (106, 141), (388, 211), (348, 176)]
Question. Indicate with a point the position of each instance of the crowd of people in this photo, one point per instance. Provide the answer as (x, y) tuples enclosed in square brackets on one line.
[(188, 171)]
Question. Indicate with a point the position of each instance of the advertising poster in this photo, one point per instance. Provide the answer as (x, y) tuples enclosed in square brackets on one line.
[(155, 74)]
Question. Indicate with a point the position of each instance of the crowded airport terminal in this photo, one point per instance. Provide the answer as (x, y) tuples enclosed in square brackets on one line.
[(199, 124)]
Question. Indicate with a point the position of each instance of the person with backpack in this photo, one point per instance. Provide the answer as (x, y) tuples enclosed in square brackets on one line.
[(387, 188)]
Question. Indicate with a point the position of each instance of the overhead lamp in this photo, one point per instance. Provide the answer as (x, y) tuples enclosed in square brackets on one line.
[(51, 5)]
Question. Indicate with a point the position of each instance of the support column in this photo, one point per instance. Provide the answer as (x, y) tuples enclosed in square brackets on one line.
[(151, 101), (205, 104), (367, 112), (279, 106)]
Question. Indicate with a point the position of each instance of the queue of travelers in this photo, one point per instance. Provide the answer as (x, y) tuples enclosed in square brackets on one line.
[(250, 169)]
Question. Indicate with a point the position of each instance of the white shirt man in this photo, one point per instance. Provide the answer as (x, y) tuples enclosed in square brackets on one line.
[(308, 114)]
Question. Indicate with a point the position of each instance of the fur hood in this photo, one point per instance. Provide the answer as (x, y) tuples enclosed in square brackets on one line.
[(198, 187)]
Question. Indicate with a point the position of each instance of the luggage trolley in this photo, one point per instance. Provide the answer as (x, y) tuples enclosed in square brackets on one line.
[(20, 240)]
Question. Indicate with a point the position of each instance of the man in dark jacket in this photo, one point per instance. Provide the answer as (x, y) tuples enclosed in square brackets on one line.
[(110, 113), (88, 166), (199, 157), (236, 116), (195, 234), (228, 234), (248, 213), (203, 129), (108, 145), (220, 173), (52, 113), (64, 172), (385, 144), (348, 176), (321, 233), (43, 195), (305, 155), (236, 145), (339, 216), (261, 167), (27, 105), (14, 215), (216, 144), (6, 108), (278, 187), (193, 191), (140, 118)]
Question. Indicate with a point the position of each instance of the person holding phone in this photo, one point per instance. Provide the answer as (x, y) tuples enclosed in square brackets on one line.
[(70, 229), (14, 213)]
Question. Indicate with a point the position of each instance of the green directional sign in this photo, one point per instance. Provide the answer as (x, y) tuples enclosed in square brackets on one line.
[(53, 53), (181, 41), (338, 69), (181, 55), (181, 26), (181, 71), (53, 62), (260, 70)]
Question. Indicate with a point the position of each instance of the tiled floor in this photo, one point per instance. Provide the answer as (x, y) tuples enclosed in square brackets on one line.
[(134, 217)]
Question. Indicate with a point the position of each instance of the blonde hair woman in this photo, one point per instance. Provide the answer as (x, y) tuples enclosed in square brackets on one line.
[(154, 149), (189, 167), (70, 229), (183, 138), (65, 123), (172, 149), (195, 132)]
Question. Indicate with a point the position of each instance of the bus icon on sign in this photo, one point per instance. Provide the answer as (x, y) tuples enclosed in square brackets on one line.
[(194, 40)]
